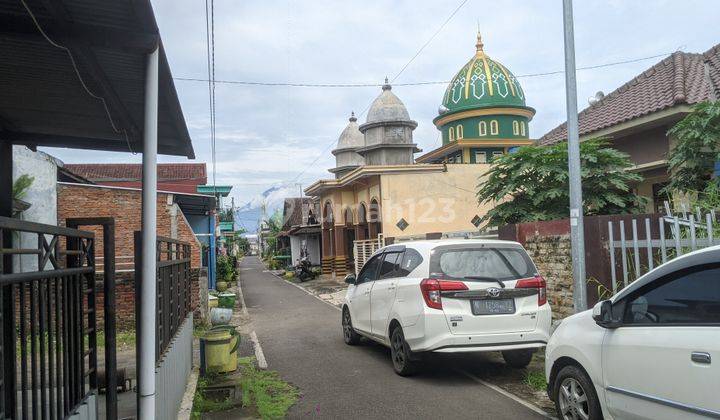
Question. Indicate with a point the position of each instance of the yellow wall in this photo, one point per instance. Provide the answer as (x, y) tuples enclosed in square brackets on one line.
[(432, 201)]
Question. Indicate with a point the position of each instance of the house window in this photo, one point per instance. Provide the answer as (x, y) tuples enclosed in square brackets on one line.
[(459, 130), (451, 134), (516, 128), (494, 128), (482, 128), (496, 154), (522, 128), (480, 157)]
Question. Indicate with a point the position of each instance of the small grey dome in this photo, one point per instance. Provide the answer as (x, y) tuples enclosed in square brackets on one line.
[(351, 137), (387, 107)]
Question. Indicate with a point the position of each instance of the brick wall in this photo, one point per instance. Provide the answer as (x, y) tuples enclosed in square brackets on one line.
[(125, 205), (552, 257)]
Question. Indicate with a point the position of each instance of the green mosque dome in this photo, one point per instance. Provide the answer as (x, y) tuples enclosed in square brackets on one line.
[(482, 83)]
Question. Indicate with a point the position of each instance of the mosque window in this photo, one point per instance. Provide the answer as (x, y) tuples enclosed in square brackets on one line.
[(451, 133), (480, 157), (496, 154), (459, 131), (494, 128), (516, 128), (482, 128), (522, 128)]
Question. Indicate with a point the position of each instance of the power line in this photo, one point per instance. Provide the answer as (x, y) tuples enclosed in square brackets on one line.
[(422, 83), (462, 3)]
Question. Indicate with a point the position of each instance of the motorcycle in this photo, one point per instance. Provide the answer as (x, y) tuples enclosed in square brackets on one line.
[(303, 270)]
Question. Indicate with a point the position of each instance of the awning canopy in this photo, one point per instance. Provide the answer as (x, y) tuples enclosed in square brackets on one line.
[(195, 204), (105, 43)]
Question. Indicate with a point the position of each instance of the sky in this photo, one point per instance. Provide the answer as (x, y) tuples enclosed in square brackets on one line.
[(281, 137)]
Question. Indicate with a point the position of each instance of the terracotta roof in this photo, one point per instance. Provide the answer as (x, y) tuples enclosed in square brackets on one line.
[(99, 172), (681, 78)]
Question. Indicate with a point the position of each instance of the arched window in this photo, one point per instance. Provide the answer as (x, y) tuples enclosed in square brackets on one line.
[(348, 216), (362, 214), (494, 128), (328, 213), (451, 134), (522, 128), (459, 130), (516, 128), (482, 128)]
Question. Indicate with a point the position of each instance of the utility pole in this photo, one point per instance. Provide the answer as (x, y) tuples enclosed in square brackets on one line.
[(577, 237)]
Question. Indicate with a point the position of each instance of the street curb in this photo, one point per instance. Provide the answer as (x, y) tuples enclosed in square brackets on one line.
[(259, 355), (186, 404), (507, 394), (308, 292)]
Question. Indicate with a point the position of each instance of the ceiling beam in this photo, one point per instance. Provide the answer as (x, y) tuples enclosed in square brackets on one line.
[(92, 35)]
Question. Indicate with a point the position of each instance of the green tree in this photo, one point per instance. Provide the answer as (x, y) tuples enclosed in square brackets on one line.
[(693, 157), (531, 184)]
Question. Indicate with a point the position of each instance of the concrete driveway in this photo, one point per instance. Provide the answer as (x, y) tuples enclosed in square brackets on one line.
[(302, 339)]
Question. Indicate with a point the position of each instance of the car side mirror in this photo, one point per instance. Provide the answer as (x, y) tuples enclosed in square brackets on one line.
[(350, 279), (603, 316)]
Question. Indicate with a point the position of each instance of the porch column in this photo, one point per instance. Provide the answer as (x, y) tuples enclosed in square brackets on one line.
[(327, 258), (340, 250), (148, 298)]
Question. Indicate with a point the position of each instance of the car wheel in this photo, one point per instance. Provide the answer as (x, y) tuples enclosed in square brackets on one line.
[(517, 358), (349, 335), (575, 396), (401, 354)]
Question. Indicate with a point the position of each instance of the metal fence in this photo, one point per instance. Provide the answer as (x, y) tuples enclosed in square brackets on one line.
[(173, 287), (49, 336), (363, 250), (637, 247)]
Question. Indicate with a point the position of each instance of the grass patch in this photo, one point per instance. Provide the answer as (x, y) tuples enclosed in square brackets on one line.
[(203, 404), (124, 340), (535, 379), (271, 396)]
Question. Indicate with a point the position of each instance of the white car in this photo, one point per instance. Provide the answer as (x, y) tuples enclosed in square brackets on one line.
[(650, 352), (449, 296)]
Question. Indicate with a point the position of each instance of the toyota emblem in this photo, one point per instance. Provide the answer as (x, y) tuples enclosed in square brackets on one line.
[(493, 292)]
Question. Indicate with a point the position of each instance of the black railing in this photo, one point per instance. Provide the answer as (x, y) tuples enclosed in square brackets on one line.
[(49, 330), (173, 287)]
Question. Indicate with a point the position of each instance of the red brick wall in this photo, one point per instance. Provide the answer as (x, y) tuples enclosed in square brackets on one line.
[(76, 200)]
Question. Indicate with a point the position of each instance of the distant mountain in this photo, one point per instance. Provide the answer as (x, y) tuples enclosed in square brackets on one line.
[(249, 214)]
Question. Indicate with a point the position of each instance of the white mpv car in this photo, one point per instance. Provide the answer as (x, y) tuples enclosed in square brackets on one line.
[(650, 352), (449, 296)]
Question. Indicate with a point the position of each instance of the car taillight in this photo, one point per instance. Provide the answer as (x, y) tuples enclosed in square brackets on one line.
[(536, 282), (431, 289)]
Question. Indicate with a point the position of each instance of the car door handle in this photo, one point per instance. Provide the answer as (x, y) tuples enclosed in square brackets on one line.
[(701, 357), (367, 292), (391, 287)]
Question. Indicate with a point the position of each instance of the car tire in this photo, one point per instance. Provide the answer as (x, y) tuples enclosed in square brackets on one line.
[(350, 337), (573, 391), (402, 357), (518, 358)]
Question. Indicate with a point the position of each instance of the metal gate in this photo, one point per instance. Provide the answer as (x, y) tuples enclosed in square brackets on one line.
[(49, 329), (363, 250)]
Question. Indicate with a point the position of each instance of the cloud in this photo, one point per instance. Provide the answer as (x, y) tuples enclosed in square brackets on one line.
[(268, 135)]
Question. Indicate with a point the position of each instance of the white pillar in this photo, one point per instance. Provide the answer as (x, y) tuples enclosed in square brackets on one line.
[(146, 367)]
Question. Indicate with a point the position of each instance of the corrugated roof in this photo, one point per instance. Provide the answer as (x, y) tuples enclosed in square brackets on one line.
[(99, 172), (681, 78), (44, 103)]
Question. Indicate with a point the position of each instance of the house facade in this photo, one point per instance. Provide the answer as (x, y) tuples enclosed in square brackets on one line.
[(636, 117)]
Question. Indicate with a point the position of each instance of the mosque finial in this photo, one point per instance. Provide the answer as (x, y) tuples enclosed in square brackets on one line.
[(352, 116), (386, 86), (479, 44)]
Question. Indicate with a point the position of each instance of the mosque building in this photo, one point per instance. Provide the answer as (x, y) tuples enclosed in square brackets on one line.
[(380, 188)]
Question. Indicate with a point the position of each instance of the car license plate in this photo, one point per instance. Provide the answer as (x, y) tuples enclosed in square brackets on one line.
[(492, 306)]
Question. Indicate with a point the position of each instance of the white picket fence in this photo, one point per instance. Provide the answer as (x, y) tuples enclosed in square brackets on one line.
[(363, 250), (675, 235)]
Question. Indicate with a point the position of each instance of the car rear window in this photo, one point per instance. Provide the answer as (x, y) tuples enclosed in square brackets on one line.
[(502, 263)]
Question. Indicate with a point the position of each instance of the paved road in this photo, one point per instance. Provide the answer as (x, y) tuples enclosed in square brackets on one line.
[(302, 340)]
